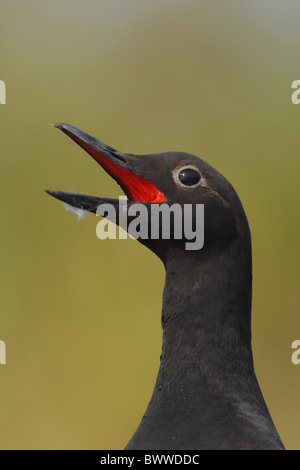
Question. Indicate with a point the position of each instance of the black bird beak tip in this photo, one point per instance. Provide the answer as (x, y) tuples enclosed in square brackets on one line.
[(59, 125), (52, 192), (63, 125), (81, 201)]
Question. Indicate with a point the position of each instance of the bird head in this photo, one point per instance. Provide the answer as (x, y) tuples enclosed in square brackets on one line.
[(176, 180)]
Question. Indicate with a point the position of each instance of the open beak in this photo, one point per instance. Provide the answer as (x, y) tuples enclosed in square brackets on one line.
[(134, 184)]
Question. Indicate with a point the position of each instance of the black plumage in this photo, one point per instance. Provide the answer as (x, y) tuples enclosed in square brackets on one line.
[(206, 394)]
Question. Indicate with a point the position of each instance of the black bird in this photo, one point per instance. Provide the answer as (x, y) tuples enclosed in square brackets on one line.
[(206, 394)]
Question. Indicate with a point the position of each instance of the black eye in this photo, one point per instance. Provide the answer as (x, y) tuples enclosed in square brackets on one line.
[(189, 177)]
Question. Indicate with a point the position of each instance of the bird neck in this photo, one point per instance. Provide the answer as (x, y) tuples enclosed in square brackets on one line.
[(206, 384), (206, 314)]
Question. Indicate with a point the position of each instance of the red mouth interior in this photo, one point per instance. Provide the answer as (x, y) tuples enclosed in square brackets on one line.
[(137, 187)]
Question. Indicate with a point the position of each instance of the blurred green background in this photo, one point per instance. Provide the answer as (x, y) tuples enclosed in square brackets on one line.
[(81, 317)]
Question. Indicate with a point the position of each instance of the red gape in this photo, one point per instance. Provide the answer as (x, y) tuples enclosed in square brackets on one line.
[(138, 187)]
